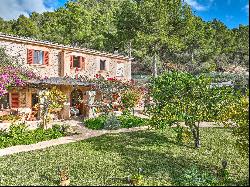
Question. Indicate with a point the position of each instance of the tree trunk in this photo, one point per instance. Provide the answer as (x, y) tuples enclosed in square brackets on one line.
[(197, 143), (154, 66), (130, 49), (196, 134), (192, 57)]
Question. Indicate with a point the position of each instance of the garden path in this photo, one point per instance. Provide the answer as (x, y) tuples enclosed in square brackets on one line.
[(82, 134)]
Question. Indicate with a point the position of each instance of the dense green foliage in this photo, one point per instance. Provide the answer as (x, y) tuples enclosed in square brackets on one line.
[(183, 97), (111, 122), (10, 117), (110, 159), (130, 98), (238, 113), (128, 121), (18, 134), (96, 123), (166, 31), (241, 118)]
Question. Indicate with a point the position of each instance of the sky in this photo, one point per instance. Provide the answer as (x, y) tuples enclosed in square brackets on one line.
[(230, 12)]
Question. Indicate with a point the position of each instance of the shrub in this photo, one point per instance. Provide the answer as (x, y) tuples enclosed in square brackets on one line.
[(95, 123), (130, 98), (9, 118), (19, 134), (128, 121), (112, 123)]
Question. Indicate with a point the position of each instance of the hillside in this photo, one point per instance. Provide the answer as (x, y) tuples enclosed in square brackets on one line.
[(164, 32)]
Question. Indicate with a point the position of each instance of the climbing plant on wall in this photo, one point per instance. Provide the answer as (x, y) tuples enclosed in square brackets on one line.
[(11, 73)]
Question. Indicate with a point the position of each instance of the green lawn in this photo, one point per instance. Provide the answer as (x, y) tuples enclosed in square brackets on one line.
[(96, 161)]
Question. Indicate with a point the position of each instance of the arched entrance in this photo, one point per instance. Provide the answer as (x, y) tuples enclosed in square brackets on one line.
[(76, 102)]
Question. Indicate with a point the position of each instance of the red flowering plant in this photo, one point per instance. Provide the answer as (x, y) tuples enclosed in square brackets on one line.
[(11, 74)]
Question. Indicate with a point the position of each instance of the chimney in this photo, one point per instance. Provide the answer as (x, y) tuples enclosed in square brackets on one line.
[(116, 51)]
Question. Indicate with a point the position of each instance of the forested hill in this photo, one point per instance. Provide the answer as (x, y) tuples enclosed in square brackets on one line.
[(166, 31)]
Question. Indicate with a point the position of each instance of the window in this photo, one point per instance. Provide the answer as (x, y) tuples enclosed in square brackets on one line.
[(102, 64), (76, 62), (120, 70), (38, 57), (4, 102)]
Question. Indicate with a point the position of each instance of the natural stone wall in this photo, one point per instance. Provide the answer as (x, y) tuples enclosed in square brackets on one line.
[(19, 52), (59, 62), (92, 66)]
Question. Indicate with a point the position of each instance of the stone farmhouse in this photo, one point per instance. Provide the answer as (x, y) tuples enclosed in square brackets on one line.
[(54, 62)]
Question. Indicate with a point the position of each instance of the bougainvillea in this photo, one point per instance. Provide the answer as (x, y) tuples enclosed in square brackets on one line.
[(11, 74)]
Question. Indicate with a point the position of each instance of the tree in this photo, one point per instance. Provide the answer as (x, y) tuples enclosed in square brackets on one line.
[(236, 113), (130, 98), (183, 97), (25, 27), (241, 45), (51, 101)]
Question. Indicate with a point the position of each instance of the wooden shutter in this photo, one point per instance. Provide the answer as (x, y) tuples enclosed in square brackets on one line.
[(46, 57), (14, 100), (82, 62), (30, 56), (71, 61)]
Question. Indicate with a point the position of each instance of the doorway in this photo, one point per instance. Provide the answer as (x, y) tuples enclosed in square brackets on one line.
[(34, 102), (76, 102)]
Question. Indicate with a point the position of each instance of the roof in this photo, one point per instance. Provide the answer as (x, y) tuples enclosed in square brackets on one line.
[(29, 40), (58, 81)]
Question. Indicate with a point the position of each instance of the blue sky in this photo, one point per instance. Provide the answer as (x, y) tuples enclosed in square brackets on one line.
[(230, 12)]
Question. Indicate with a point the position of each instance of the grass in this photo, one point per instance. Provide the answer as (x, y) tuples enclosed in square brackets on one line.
[(97, 161)]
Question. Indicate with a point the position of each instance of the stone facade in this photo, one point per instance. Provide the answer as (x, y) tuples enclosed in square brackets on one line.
[(19, 52), (59, 65), (59, 60)]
